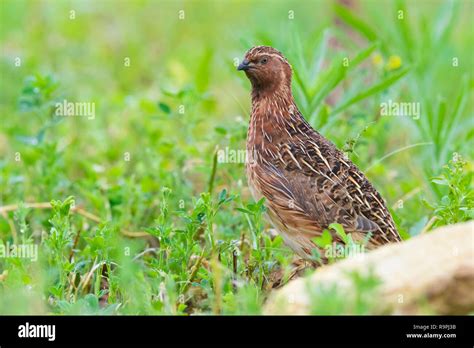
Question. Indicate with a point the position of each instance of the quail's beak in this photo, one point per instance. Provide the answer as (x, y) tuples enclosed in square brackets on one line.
[(245, 65)]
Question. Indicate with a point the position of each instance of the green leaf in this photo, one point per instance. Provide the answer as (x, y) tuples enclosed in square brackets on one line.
[(324, 239), (245, 211), (164, 107), (339, 231), (222, 195), (221, 130)]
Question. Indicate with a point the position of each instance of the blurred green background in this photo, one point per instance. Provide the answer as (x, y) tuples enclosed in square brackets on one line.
[(167, 95)]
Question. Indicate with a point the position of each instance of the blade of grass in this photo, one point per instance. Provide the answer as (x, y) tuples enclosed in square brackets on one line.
[(406, 32), (356, 23), (384, 84), (336, 74)]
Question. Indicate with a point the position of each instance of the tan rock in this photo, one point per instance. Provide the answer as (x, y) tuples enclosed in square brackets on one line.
[(430, 273)]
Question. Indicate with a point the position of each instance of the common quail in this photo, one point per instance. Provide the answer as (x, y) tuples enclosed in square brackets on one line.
[(306, 181)]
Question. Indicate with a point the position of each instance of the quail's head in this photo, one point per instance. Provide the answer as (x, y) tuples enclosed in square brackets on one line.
[(266, 68)]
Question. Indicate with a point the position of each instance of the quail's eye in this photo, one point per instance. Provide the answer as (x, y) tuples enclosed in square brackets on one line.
[(263, 61)]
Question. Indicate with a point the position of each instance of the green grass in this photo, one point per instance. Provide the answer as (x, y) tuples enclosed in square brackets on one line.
[(144, 219)]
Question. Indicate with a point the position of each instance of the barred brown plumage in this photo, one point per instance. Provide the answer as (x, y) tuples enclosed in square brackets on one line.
[(307, 182)]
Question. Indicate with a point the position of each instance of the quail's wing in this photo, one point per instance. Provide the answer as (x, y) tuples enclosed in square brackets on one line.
[(324, 187)]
